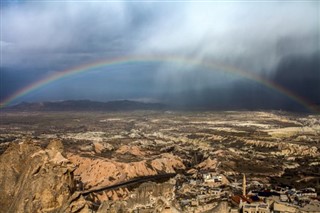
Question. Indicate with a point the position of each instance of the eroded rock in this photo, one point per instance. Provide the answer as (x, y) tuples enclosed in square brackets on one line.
[(134, 150), (105, 172), (101, 147), (33, 179)]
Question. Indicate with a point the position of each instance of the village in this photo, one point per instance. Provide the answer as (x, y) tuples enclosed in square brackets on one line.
[(214, 192)]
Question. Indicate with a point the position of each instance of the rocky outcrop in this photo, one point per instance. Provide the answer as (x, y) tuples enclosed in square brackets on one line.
[(286, 148), (133, 150), (208, 164), (33, 179), (100, 147), (106, 172), (155, 196), (294, 149)]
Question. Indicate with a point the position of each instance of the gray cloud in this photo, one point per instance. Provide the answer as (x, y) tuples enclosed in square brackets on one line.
[(42, 38)]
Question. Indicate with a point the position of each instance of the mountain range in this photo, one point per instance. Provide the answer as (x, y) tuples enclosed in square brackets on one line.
[(85, 105)]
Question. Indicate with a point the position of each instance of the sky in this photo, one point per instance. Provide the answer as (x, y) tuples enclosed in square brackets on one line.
[(278, 40)]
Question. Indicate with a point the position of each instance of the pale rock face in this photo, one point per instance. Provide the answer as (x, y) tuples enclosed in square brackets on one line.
[(37, 180), (97, 172), (287, 149), (134, 150), (55, 145), (208, 164), (101, 147), (147, 194)]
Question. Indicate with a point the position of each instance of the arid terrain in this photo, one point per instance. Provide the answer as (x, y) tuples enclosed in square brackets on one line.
[(158, 161)]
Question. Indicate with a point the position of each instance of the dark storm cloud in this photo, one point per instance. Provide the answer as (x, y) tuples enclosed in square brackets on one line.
[(301, 74), (39, 39)]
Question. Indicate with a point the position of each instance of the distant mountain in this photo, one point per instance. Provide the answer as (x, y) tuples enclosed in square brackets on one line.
[(85, 105)]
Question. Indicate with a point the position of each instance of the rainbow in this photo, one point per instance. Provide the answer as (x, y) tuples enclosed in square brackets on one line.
[(143, 59)]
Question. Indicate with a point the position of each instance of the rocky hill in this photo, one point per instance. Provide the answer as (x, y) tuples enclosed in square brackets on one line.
[(33, 179), (36, 179)]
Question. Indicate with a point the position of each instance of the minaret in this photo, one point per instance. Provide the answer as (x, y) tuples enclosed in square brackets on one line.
[(244, 185)]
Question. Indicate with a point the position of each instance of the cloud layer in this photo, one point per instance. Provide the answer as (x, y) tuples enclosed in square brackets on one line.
[(39, 39)]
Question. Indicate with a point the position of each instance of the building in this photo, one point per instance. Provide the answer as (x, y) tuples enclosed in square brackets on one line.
[(212, 177), (283, 207), (238, 200), (308, 192), (256, 208), (284, 198)]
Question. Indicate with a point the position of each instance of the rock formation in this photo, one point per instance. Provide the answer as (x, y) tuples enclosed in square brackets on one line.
[(105, 172), (33, 179)]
